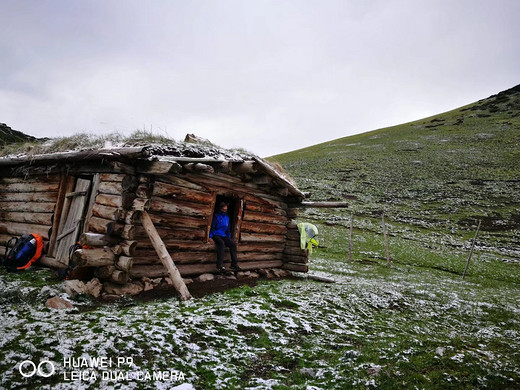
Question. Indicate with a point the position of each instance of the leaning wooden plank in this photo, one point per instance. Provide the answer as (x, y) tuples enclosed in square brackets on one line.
[(163, 254), (72, 227), (91, 200), (62, 206)]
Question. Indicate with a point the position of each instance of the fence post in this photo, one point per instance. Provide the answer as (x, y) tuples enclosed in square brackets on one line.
[(471, 251), (385, 236), (350, 238)]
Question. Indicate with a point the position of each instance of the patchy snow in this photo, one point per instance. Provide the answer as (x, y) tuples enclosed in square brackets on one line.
[(257, 337)]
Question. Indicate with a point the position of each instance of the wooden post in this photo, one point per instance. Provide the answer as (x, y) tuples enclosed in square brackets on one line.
[(471, 251), (350, 238), (164, 256), (385, 236)]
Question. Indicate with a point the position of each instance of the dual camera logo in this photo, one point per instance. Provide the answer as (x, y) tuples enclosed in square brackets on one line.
[(44, 369)]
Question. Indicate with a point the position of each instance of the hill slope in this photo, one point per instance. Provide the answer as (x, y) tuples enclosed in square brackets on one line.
[(442, 173), (10, 136)]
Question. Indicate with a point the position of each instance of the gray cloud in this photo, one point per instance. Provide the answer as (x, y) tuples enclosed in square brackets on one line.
[(269, 76)]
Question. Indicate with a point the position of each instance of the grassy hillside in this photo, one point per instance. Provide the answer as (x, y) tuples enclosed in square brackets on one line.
[(414, 325), (10, 136), (436, 175)]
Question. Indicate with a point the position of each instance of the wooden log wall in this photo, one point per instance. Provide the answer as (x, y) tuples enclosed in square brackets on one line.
[(105, 245), (27, 205), (180, 200), (181, 207)]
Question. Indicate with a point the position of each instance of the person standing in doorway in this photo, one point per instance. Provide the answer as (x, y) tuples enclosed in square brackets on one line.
[(221, 234)]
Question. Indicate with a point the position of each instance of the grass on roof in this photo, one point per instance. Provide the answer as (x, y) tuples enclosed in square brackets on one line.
[(85, 141)]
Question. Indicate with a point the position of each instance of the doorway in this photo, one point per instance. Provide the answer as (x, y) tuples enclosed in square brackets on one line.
[(234, 212)]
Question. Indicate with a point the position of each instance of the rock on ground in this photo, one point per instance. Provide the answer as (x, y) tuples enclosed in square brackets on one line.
[(58, 303), (74, 287), (132, 288)]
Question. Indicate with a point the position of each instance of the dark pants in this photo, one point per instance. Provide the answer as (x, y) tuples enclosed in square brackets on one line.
[(222, 242)]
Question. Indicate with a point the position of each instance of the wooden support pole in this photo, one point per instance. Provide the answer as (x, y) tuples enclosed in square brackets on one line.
[(350, 243), (385, 237), (164, 256), (471, 251)]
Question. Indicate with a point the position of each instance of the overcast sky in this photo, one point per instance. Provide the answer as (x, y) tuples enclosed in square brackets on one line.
[(268, 76)]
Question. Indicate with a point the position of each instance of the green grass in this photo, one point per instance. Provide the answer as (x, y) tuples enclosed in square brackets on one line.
[(442, 174), (415, 324), (407, 325)]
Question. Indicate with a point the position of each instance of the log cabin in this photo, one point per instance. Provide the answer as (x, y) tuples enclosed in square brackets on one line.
[(145, 211)]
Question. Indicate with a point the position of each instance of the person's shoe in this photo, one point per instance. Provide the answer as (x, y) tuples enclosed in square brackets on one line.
[(236, 268), (221, 269)]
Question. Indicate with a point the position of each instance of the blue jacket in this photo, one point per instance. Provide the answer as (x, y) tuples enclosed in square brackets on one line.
[(220, 225)]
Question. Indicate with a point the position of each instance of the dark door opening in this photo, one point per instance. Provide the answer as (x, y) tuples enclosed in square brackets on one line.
[(233, 210)]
